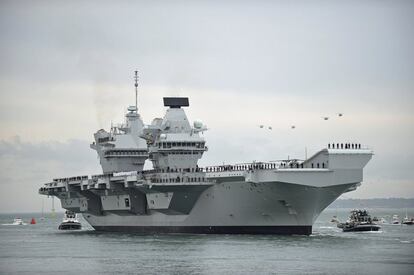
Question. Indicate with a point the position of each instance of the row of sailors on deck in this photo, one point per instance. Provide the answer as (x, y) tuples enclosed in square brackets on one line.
[(292, 165), (241, 167), (43, 189), (71, 179), (173, 170), (344, 146), (180, 179)]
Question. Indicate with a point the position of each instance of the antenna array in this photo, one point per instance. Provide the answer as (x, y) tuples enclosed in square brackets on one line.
[(136, 89)]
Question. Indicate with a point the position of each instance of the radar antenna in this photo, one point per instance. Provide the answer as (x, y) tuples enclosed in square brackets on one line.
[(136, 90)]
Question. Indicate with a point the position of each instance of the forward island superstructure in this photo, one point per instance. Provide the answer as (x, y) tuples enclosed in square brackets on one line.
[(178, 196)]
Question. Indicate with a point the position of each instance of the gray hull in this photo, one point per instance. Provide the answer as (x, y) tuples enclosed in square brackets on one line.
[(234, 208)]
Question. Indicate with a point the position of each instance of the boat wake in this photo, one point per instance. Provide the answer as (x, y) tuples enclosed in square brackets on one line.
[(327, 227), (405, 241), (369, 232)]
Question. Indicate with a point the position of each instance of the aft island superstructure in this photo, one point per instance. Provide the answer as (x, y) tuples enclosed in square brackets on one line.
[(178, 196)]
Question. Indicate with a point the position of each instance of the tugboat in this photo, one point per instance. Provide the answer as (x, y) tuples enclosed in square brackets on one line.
[(358, 221), (70, 222)]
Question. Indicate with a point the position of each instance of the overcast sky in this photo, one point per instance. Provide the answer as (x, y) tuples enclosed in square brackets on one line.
[(67, 67)]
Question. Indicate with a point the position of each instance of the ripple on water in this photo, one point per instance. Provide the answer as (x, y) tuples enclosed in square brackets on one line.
[(328, 250)]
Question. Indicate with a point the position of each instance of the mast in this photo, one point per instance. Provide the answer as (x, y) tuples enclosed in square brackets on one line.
[(136, 90)]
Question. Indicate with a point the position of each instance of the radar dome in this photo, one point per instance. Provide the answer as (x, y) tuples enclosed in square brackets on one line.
[(198, 124)]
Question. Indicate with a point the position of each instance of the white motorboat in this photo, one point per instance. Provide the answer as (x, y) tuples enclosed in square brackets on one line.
[(70, 222), (18, 221), (407, 220), (395, 219)]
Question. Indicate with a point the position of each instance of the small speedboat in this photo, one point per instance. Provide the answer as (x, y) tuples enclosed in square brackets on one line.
[(70, 222), (395, 219), (407, 220), (359, 221), (18, 221)]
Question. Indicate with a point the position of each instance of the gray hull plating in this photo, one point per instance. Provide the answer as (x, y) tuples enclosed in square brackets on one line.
[(235, 207)]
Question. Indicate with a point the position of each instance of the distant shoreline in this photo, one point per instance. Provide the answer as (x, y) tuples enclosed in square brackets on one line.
[(373, 203)]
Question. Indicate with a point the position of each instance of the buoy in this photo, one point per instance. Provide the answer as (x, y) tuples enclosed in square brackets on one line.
[(33, 221)]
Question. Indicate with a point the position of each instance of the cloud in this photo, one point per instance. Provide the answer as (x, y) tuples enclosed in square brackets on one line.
[(267, 46)]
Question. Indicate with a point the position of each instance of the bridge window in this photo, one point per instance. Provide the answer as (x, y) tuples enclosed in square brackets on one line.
[(127, 202)]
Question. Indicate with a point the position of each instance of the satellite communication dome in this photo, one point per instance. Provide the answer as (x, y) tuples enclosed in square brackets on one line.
[(132, 108), (198, 124)]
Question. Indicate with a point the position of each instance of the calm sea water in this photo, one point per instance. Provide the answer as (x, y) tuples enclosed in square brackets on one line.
[(42, 249)]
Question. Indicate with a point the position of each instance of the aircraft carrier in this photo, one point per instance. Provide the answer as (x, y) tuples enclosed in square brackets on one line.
[(178, 196)]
